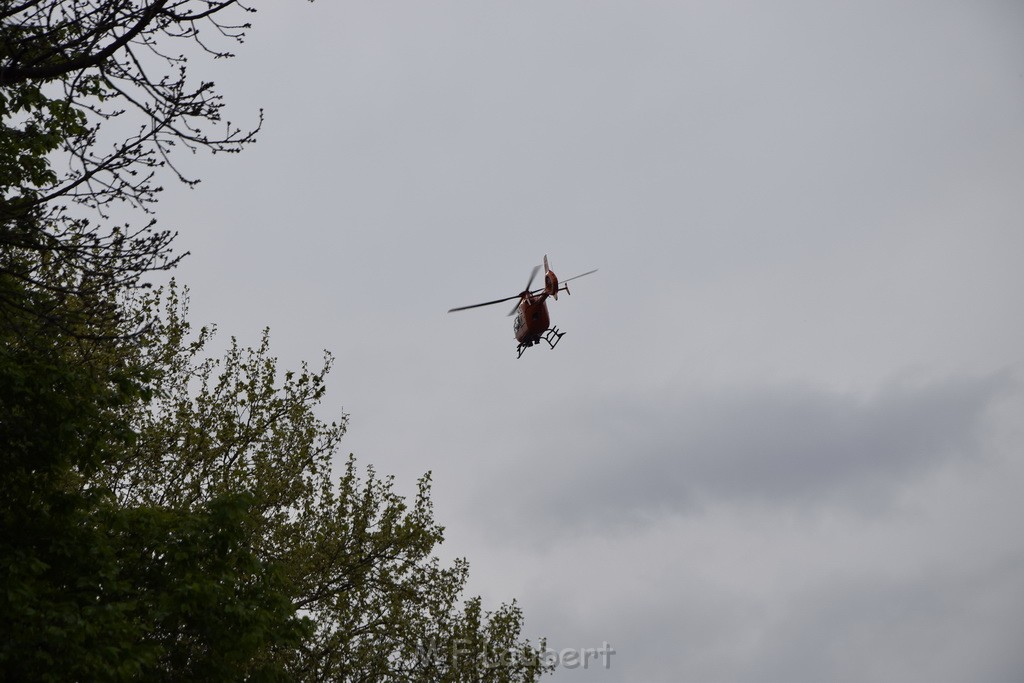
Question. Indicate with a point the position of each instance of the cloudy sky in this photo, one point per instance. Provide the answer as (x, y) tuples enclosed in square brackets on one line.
[(781, 439)]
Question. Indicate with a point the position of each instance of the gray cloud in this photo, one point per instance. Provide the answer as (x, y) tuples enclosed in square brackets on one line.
[(634, 459)]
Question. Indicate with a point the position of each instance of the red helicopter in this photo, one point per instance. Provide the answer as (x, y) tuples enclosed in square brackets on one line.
[(532, 322)]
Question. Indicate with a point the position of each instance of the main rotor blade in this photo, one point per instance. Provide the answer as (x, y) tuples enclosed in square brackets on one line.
[(486, 303), (576, 277), (533, 274)]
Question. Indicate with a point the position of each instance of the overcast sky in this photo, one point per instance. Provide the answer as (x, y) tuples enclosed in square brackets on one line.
[(782, 437)]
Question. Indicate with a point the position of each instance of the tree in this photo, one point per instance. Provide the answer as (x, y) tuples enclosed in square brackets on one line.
[(70, 66), (95, 590), (357, 557), (96, 82), (164, 516)]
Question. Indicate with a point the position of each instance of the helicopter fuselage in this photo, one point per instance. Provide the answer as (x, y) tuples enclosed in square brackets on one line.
[(532, 319)]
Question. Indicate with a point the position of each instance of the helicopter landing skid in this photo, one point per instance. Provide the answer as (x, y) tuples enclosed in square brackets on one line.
[(551, 335)]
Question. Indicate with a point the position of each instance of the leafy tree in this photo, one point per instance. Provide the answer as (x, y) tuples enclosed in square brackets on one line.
[(357, 557), (92, 589), (162, 515), (96, 590)]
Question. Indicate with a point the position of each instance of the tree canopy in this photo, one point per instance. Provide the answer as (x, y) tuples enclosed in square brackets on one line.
[(166, 513)]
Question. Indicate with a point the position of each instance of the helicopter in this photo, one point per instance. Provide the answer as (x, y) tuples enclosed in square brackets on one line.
[(532, 323)]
